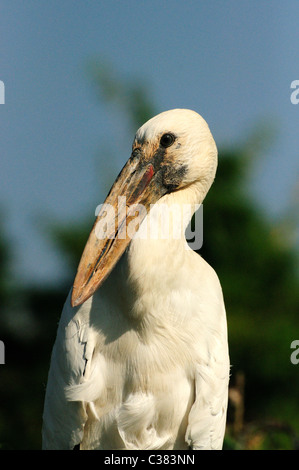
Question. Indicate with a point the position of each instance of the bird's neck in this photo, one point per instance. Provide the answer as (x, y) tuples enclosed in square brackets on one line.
[(157, 253), (165, 225)]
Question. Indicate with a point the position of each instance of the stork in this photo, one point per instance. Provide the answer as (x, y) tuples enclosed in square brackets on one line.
[(141, 356)]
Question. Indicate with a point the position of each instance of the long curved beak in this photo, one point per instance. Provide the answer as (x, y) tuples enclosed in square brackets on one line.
[(135, 189)]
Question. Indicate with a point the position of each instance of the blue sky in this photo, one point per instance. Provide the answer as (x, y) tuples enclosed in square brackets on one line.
[(231, 61)]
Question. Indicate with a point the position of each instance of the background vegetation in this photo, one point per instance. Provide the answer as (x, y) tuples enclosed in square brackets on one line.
[(258, 268)]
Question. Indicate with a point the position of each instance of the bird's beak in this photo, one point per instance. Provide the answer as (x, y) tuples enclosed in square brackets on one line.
[(135, 189)]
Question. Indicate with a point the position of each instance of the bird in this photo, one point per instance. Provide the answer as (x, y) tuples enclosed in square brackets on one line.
[(141, 357)]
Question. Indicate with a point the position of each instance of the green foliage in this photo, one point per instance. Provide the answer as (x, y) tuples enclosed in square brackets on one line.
[(260, 284), (70, 241)]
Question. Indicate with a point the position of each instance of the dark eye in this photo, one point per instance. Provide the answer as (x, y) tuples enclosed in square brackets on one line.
[(167, 140), (136, 153)]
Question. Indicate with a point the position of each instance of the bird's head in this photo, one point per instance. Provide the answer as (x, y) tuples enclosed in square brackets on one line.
[(179, 144), (172, 151)]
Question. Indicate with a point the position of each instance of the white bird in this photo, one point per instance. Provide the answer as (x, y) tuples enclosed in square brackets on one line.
[(141, 355)]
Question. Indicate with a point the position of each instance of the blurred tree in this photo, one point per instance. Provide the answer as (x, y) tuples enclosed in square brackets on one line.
[(258, 272)]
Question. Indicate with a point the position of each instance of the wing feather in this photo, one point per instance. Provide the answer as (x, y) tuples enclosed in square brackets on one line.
[(64, 417)]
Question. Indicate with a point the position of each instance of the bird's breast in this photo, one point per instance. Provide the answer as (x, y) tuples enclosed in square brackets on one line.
[(147, 402)]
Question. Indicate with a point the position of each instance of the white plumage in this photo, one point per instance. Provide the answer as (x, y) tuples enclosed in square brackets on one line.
[(143, 362)]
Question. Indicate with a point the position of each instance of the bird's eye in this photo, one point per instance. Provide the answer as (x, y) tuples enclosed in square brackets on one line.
[(136, 153), (167, 140)]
